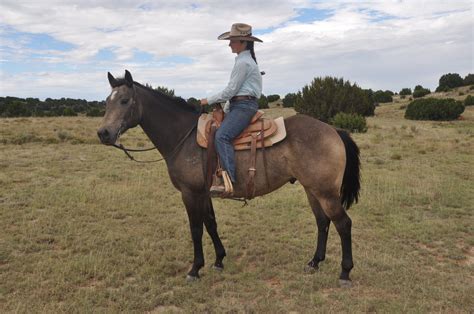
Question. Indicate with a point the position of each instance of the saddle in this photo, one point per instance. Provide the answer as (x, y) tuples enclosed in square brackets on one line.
[(273, 130), (260, 133)]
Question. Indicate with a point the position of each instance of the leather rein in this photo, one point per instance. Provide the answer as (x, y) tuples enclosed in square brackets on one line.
[(175, 150)]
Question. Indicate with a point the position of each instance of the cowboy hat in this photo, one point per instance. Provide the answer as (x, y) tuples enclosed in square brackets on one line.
[(239, 31)]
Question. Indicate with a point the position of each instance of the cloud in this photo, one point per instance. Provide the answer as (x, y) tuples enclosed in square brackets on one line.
[(378, 44)]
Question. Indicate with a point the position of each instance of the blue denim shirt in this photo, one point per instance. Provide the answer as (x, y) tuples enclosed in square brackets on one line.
[(245, 79)]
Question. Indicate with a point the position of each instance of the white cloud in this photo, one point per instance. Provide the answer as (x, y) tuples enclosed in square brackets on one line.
[(378, 44)]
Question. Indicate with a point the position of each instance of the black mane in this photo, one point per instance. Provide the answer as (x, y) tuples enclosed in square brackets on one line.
[(174, 100)]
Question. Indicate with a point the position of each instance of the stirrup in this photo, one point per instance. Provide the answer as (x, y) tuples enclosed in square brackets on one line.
[(222, 186)]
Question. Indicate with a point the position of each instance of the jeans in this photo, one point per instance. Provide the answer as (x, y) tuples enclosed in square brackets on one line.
[(239, 117)]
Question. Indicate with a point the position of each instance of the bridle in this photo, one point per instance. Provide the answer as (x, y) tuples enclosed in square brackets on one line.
[(128, 150)]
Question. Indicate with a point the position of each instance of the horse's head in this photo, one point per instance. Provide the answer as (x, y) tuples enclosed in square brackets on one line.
[(122, 111)]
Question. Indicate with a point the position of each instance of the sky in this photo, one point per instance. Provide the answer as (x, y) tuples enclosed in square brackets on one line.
[(60, 48)]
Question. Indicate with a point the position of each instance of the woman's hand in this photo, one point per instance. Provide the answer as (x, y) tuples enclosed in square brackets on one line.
[(204, 102)]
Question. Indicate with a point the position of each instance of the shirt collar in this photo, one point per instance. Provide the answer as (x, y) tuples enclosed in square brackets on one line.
[(243, 54)]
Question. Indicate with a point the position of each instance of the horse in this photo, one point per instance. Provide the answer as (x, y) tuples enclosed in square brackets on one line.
[(323, 159)]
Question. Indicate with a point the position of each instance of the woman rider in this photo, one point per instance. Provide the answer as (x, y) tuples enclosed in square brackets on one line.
[(243, 91)]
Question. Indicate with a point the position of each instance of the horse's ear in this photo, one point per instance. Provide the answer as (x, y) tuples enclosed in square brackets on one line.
[(112, 80), (128, 78)]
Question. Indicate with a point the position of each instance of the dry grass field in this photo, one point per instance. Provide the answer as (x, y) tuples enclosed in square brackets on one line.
[(84, 229)]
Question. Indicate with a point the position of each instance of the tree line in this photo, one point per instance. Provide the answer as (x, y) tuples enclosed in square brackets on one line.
[(33, 107), (323, 98)]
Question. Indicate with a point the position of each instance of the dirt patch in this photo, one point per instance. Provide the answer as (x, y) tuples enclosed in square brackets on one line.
[(469, 261), (166, 309)]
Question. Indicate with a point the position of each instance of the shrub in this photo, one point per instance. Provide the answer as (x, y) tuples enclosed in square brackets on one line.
[(263, 102), (461, 94), (450, 80), (381, 96), (434, 109), (272, 98), (64, 136), (69, 112), (289, 100), (350, 122), (471, 87), (469, 101), (442, 89), (95, 112), (469, 79), (405, 91), (420, 91), (325, 97)]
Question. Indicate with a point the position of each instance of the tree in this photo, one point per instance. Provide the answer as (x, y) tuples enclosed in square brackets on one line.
[(193, 101), (263, 102), (405, 91), (325, 97), (16, 108), (469, 79), (165, 90), (450, 80), (272, 98), (381, 96), (289, 100)]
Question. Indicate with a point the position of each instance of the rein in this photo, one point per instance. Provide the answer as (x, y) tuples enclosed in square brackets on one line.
[(175, 150)]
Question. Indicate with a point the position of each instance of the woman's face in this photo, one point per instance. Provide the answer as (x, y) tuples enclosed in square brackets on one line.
[(237, 46)]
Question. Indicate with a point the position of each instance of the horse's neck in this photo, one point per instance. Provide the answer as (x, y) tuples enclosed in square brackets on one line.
[(164, 125)]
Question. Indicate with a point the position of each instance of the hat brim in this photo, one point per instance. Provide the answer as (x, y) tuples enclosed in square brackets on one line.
[(226, 36)]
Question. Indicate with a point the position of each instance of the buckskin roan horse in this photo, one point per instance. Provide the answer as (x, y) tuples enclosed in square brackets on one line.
[(324, 160)]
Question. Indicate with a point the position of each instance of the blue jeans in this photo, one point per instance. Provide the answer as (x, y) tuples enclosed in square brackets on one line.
[(239, 117)]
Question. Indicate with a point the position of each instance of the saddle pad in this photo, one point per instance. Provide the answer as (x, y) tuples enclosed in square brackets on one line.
[(274, 133)]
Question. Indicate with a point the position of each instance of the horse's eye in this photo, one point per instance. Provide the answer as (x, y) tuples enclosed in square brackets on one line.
[(124, 101)]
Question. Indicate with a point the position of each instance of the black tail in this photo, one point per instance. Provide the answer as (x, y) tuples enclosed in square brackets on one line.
[(351, 181)]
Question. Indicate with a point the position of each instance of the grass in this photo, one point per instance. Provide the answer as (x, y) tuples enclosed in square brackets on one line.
[(83, 229)]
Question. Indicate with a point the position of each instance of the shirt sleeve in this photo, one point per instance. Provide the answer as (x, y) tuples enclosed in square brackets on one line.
[(237, 78)]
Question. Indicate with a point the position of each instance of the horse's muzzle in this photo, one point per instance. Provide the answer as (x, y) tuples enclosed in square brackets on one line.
[(106, 137)]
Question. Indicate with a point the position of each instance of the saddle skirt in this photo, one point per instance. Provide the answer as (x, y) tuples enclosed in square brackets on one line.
[(273, 131)]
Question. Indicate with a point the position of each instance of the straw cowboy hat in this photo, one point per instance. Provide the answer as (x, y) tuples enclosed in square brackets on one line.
[(239, 31)]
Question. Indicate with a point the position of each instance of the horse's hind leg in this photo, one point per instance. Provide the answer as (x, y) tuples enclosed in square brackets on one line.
[(331, 205), (211, 227), (334, 210), (323, 223)]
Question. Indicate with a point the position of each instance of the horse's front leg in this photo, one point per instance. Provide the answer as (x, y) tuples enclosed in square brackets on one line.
[(211, 226), (195, 210)]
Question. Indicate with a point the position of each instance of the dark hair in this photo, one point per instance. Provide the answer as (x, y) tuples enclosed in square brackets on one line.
[(252, 52)]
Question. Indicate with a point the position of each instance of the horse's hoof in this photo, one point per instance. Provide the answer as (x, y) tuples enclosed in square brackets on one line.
[(310, 269), (345, 283), (217, 268), (190, 278)]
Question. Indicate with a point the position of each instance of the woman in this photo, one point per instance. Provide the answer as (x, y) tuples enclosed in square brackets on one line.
[(243, 91)]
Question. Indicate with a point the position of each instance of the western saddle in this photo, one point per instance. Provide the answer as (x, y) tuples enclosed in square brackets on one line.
[(260, 133)]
